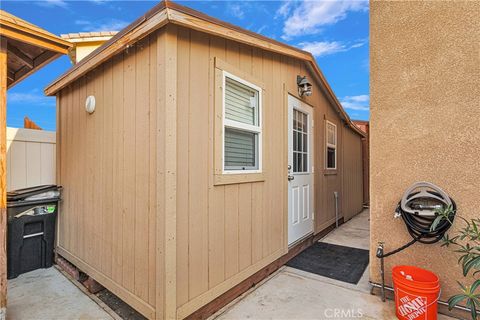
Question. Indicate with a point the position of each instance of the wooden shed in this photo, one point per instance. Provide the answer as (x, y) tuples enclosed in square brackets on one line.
[(202, 169)]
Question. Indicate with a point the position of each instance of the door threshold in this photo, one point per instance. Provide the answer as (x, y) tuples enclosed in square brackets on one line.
[(293, 244)]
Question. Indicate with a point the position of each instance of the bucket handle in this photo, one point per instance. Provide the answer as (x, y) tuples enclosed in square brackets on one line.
[(436, 300)]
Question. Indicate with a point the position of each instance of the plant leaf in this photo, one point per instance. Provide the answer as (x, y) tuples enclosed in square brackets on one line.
[(435, 222), (454, 300), (473, 263), (475, 285)]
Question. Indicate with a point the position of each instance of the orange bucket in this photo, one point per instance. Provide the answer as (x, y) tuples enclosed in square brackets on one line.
[(416, 293)]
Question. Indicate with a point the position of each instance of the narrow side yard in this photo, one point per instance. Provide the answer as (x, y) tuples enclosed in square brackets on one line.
[(294, 294)]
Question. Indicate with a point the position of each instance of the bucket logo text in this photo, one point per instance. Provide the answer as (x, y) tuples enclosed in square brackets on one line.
[(412, 307)]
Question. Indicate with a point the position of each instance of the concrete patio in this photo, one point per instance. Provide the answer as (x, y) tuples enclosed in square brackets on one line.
[(295, 294), (287, 294), (46, 294)]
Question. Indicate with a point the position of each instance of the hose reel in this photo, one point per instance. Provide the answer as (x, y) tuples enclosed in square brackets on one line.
[(419, 208)]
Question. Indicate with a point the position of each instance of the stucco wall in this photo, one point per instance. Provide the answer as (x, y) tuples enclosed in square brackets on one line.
[(425, 120)]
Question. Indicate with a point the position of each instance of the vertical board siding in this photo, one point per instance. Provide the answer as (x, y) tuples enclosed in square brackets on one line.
[(113, 171), (30, 158), (108, 170), (240, 224), (142, 135), (352, 201), (198, 163), (216, 194), (183, 132), (225, 229), (152, 170)]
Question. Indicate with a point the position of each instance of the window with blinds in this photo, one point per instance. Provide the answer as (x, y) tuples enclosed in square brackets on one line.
[(331, 152), (242, 129)]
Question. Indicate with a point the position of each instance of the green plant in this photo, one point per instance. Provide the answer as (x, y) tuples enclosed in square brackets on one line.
[(466, 242)]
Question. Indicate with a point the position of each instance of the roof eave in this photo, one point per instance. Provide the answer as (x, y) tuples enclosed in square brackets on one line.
[(169, 12)]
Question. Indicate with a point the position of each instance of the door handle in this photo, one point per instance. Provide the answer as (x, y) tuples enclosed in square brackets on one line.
[(290, 177)]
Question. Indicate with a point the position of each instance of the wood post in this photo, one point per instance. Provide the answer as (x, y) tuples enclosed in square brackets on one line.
[(3, 177)]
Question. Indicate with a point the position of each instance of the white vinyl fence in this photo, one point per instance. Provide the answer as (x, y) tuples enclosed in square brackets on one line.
[(30, 158)]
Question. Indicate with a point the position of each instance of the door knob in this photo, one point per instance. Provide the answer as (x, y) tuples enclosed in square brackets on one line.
[(290, 177)]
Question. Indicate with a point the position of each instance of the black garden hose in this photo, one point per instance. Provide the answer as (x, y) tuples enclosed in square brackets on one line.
[(418, 209), (419, 228)]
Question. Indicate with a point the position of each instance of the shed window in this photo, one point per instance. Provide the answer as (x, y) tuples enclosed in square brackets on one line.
[(242, 125), (331, 152)]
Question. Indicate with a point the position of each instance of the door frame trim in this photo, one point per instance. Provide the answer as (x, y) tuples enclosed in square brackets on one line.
[(288, 93)]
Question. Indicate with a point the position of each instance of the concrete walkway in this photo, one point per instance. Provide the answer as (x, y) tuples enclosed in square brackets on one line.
[(46, 294), (295, 294)]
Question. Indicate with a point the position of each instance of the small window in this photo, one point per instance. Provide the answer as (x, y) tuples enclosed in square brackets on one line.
[(331, 152), (242, 125), (300, 142)]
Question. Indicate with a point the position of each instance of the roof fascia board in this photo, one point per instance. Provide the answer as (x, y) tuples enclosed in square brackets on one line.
[(35, 33), (47, 44)]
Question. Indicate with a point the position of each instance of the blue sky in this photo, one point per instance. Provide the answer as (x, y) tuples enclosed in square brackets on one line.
[(335, 31)]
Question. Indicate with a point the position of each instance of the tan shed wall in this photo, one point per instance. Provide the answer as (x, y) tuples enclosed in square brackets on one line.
[(352, 174), (127, 182), (425, 120), (107, 225), (227, 232)]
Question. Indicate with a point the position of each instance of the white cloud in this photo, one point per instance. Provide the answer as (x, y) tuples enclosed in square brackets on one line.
[(236, 10), (260, 30), (30, 98), (323, 48), (102, 25), (360, 102), (284, 9), (306, 17), (52, 3)]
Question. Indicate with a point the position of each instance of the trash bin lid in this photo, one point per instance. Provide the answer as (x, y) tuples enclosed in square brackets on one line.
[(21, 194)]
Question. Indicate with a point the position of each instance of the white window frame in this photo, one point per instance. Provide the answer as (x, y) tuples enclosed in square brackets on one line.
[(232, 124), (330, 145)]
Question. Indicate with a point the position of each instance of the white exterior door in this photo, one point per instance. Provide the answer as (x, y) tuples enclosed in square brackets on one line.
[(300, 170)]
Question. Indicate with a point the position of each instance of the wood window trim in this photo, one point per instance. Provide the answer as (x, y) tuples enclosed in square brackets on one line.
[(327, 170), (220, 177)]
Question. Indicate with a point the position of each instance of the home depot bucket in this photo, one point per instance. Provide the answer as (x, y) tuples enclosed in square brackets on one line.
[(416, 293)]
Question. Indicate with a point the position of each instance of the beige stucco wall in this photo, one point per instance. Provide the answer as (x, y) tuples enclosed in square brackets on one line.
[(84, 49), (425, 120)]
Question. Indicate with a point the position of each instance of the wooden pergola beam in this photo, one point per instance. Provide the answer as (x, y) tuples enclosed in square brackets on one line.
[(10, 75), (3, 177), (43, 59), (12, 50)]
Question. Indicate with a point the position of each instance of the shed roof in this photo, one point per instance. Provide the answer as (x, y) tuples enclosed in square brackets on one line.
[(29, 47), (88, 36), (169, 12)]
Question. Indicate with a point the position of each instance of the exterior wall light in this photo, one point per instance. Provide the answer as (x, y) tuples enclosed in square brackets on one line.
[(90, 104), (304, 86)]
